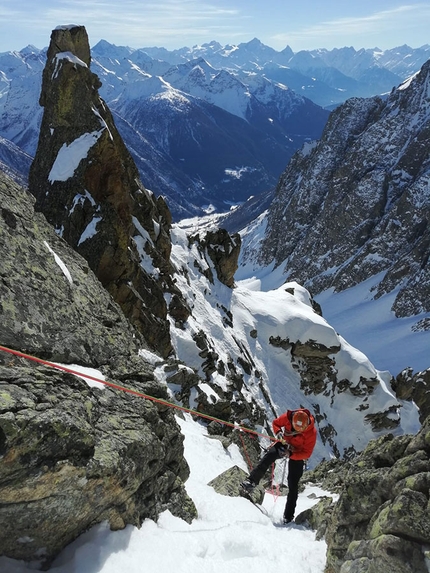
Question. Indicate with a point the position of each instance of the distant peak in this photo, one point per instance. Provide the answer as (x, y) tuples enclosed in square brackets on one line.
[(254, 42), (213, 44), (102, 48), (30, 49), (102, 44)]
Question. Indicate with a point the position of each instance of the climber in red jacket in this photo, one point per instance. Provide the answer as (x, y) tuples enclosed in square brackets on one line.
[(296, 434)]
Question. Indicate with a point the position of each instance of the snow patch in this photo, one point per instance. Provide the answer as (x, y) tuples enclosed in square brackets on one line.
[(407, 82), (84, 372), (69, 156), (238, 172), (60, 263), (68, 56), (90, 230)]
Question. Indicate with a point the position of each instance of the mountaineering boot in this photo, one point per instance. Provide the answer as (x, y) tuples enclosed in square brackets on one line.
[(248, 485)]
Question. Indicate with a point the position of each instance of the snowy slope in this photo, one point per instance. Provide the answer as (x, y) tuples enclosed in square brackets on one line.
[(390, 343), (13, 161), (260, 314), (218, 87), (230, 533), (20, 83)]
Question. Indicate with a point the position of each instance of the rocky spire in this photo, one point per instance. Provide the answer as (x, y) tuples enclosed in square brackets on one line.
[(87, 185)]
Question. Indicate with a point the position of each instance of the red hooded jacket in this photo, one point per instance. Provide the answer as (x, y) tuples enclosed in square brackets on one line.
[(302, 443)]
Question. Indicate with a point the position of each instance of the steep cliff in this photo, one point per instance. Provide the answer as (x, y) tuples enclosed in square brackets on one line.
[(72, 455), (356, 203)]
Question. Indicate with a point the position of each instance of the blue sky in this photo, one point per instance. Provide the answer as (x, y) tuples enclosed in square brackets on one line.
[(301, 24)]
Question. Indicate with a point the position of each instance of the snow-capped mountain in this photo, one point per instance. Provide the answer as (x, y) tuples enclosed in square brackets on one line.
[(223, 158), (327, 77), (20, 82), (214, 142), (354, 209), (230, 139), (402, 61), (242, 114)]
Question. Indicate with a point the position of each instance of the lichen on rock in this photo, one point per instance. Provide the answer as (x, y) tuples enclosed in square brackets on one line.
[(381, 518), (72, 456)]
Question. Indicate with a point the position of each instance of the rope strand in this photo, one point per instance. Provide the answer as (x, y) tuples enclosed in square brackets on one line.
[(134, 392)]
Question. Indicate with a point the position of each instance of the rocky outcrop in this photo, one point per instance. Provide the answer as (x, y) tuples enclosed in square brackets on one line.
[(323, 381), (87, 185), (314, 361), (221, 250), (47, 293), (356, 203), (381, 520), (72, 456), (226, 403), (228, 483), (416, 388)]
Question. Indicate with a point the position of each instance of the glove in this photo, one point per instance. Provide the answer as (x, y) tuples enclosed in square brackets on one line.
[(280, 437)]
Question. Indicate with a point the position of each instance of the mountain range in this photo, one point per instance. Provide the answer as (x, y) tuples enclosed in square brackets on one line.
[(96, 274), (212, 125)]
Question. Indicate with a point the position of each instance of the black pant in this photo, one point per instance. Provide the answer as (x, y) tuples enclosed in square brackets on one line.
[(295, 472)]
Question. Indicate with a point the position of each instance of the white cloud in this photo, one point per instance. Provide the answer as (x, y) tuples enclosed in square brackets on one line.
[(374, 28), (177, 23), (144, 24)]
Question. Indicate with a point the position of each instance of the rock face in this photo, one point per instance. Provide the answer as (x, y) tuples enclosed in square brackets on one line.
[(47, 292), (228, 483), (87, 185), (72, 456), (223, 252), (416, 387), (357, 202), (381, 520)]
